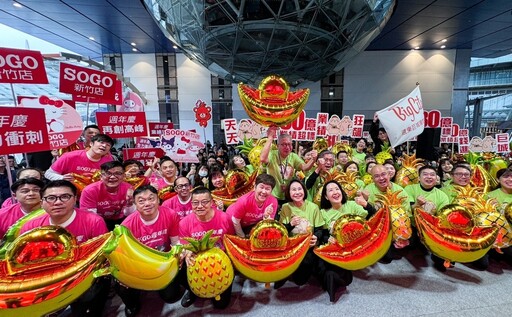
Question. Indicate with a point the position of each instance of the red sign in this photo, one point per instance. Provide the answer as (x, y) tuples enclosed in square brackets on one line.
[(22, 67), (69, 102), (77, 80), (158, 128), (22, 130), (122, 124), (142, 154), (118, 100), (203, 113)]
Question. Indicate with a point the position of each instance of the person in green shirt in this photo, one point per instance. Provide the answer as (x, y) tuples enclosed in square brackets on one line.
[(315, 181), (425, 195), (380, 185), (335, 205), (301, 216), (283, 163), (359, 152), (461, 177), (503, 197)]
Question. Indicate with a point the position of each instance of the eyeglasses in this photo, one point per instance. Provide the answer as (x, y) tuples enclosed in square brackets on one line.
[(204, 203), (53, 199), (462, 174), (115, 174), (180, 186)]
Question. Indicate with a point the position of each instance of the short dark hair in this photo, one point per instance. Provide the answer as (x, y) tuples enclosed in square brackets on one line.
[(287, 192), (179, 177), (350, 163), (342, 151), (59, 183), (425, 167), (362, 139), (324, 202), (19, 172), (266, 179), (24, 181), (144, 188), (102, 138), (108, 165), (92, 126), (324, 153), (465, 166), (201, 190), (164, 159), (131, 162)]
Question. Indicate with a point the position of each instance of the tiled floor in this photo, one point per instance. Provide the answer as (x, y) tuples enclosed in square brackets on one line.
[(409, 286)]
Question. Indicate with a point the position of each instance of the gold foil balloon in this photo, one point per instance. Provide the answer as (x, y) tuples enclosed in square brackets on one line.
[(400, 220), (456, 217), (508, 212), (45, 270), (359, 243), (137, 265), (269, 255), (166, 193), (320, 144), (14, 231), (237, 185), (452, 244), (272, 104)]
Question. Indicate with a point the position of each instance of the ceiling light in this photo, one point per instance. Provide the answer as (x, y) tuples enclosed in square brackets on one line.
[(17, 5), (444, 40), (134, 49), (91, 38), (417, 48), (175, 47), (443, 46), (133, 44)]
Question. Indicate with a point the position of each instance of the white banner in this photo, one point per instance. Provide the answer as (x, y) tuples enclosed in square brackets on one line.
[(404, 119)]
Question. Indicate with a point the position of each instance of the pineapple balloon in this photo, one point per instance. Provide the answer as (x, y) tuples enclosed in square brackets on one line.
[(400, 220), (384, 154), (212, 272), (252, 150), (408, 173)]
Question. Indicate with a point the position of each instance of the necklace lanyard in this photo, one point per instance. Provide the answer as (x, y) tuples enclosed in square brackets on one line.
[(282, 168)]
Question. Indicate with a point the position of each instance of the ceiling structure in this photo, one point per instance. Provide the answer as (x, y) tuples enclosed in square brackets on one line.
[(485, 26)]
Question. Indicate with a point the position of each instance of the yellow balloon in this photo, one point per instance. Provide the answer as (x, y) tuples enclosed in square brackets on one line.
[(272, 103)]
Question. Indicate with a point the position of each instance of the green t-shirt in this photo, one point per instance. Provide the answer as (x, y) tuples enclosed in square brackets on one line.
[(348, 208), (358, 157), (308, 211), (436, 196), (450, 191), (277, 168), (500, 196), (374, 190)]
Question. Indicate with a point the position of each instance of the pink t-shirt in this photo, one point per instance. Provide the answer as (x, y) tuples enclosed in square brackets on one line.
[(182, 210), (7, 203), (109, 206), (158, 234), (9, 216), (86, 225), (77, 162), (221, 224), (246, 209), (159, 182)]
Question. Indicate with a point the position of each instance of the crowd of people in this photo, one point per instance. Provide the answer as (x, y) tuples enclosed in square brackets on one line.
[(89, 191)]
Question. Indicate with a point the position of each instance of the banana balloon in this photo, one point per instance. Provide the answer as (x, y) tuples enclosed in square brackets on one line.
[(14, 230), (138, 266)]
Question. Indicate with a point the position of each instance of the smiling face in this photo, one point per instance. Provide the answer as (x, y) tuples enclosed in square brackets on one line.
[(506, 181), (360, 146), (239, 161), (113, 177), (333, 194), (342, 158), (380, 177), (428, 178), (383, 136), (218, 180), (352, 168), (446, 166), (262, 192), (100, 148), (296, 192), (202, 206), (168, 170), (147, 204), (182, 187), (391, 170), (285, 146), (461, 176), (89, 133)]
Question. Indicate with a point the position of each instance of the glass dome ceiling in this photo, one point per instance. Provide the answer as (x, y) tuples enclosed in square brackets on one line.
[(246, 40)]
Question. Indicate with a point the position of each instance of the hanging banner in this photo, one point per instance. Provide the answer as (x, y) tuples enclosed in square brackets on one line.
[(22, 130), (231, 129), (63, 122), (203, 113), (122, 124), (22, 67), (88, 82), (404, 119)]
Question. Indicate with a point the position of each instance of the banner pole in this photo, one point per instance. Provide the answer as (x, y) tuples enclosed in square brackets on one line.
[(408, 143), (15, 100), (87, 118)]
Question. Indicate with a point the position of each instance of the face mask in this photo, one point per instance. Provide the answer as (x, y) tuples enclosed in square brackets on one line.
[(203, 173)]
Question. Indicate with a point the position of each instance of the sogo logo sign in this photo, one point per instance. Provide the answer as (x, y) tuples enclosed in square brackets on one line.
[(77, 80), (22, 66)]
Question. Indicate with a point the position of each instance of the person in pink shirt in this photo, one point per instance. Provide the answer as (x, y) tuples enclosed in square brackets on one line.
[(58, 201), (182, 202), (163, 178), (204, 218), (24, 173), (111, 197), (157, 228), (255, 206), (82, 162), (27, 193)]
